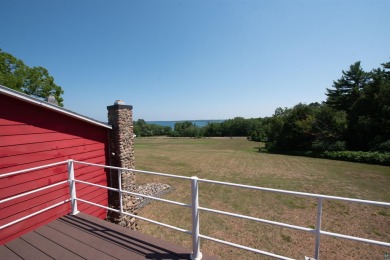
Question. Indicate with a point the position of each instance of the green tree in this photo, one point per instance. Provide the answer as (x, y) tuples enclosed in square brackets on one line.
[(356, 116), (238, 126), (186, 129), (296, 132), (213, 129), (347, 90), (274, 125), (370, 116), (137, 130), (35, 81), (141, 128), (306, 127), (167, 130), (329, 129)]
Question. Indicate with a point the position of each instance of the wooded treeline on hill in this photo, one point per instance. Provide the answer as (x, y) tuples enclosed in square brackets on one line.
[(355, 117)]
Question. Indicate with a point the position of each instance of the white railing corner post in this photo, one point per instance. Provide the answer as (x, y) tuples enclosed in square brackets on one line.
[(318, 229), (196, 254), (120, 191), (72, 188)]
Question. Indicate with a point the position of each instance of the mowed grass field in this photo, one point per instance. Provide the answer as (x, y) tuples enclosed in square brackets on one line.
[(238, 160)]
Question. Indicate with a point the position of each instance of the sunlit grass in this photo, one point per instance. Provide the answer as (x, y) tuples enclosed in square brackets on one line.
[(238, 160)]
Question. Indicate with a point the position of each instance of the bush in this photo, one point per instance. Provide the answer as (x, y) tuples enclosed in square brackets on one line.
[(361, 157), (351, 156)]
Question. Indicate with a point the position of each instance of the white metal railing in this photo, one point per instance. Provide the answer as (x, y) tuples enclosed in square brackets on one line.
[(33, 191), (195, 208)]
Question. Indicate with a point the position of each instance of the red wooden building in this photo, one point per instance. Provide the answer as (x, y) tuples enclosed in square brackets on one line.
[(34, 133)]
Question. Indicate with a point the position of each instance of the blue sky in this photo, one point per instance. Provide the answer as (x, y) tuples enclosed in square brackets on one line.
[(185, 59)]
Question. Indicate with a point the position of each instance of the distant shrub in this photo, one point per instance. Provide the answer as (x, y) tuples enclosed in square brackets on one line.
[(351, 156), (358, 156)]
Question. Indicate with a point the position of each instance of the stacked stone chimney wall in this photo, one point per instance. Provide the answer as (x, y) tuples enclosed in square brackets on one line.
[(121, 154)]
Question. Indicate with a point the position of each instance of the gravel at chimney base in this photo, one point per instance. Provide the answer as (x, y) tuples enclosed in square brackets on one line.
[(151, 189)]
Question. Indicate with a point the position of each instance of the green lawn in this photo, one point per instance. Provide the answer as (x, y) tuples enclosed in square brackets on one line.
[(238, 160)]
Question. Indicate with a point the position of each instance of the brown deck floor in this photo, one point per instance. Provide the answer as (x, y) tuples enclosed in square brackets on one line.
[(86, 237)]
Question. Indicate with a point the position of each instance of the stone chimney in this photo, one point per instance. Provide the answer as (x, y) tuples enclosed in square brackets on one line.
[(121, 152)]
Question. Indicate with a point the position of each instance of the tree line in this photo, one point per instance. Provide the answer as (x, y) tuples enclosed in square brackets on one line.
[(354, 117), (232, 127)]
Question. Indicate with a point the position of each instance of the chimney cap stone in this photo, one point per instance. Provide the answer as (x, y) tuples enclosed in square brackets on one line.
[(119, 102)]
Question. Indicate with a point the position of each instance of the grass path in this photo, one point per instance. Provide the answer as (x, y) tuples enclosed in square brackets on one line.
[(237, 160)]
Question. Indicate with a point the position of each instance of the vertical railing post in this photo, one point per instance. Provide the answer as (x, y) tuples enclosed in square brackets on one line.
[(120, 191), (196, 254), (72, 187), (318, 229)]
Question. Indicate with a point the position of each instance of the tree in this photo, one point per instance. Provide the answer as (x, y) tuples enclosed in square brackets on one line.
[(213, 129), (348, 88), (369, 118), (186, 129), (297, 130), (274, 125), (306, 127), (34, 81), (356, 116), (141, 128), (328, 129)]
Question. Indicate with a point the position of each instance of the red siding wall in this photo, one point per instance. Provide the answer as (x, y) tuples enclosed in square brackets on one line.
[(30, 136)]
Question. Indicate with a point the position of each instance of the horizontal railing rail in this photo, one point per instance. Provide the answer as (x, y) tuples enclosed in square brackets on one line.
[(133, 170), (5, 175), (296, 193), (302, 194), (317, 231), (136, 194)]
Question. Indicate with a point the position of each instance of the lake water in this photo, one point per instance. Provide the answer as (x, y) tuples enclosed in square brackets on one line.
[(199, 123)]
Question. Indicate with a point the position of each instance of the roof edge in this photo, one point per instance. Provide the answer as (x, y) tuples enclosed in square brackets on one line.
[(35, 101)]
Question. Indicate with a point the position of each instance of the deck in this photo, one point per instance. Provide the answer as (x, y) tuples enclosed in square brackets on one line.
[(86, 237)]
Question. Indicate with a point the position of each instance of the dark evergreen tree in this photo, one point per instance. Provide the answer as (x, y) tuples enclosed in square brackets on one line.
[(370, 116), (347, 90)]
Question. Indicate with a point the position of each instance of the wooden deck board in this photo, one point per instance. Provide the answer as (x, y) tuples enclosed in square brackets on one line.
[(97, 237), (25, 250), (6, 253), (49, 246), (81, 249), (86, 237)]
